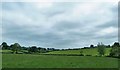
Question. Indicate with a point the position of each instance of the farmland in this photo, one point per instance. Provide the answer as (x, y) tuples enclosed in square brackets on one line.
[(92, 51), (49, 61)]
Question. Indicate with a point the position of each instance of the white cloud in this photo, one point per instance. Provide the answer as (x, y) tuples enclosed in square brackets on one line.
[(108, 31), (40, 5), (87, 14), (84, 9), (17, 17)]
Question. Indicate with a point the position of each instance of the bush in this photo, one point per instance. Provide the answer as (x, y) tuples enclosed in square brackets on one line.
[(107, 56), (88, 55)]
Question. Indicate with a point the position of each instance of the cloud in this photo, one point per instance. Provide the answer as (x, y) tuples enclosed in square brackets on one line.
[(40, 5), (59, 25), (60, 1), (108, 31)]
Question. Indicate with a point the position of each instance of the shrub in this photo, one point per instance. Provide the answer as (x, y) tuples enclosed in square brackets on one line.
[(88, 55)]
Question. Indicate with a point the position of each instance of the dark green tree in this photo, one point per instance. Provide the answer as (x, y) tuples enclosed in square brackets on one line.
[(91, 46), (115, 51), (4, 45), (108, 46), (39, 49), (116, 44), (33, 49), (16, 47), (101, 49), (81, 52), (43, 50)]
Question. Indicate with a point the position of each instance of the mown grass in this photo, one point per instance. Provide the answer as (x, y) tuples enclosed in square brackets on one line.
[(49, 61)]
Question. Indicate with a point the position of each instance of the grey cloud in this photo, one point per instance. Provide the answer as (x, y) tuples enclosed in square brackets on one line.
[(49, 39), (57, 9), (112, 23), (63, 34), (67, 25)]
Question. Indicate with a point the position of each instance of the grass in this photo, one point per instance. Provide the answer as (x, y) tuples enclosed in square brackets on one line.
[(92, 51), (49, 61)]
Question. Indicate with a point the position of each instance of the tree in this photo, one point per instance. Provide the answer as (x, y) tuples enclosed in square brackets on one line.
[(43, 50), (39, 49), (81, 52), (108, 46), (10, 47), (115, 51), (15, 48), (116, 44), (101, 49), (4, 45), (91, 46), (33, 49)]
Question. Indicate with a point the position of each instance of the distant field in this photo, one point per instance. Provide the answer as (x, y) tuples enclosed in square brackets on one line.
[(92, 52), (49, 61)]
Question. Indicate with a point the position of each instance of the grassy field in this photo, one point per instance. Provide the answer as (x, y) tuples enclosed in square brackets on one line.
[(92, 51), (49, 61)]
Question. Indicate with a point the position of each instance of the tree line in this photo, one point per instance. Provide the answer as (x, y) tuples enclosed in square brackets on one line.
[(16, 47)]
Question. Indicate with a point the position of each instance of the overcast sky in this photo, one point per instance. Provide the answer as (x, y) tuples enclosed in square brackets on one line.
[(59, 24)]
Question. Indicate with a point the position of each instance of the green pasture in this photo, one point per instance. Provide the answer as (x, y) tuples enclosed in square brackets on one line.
[(91, 51), (50, 61)]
